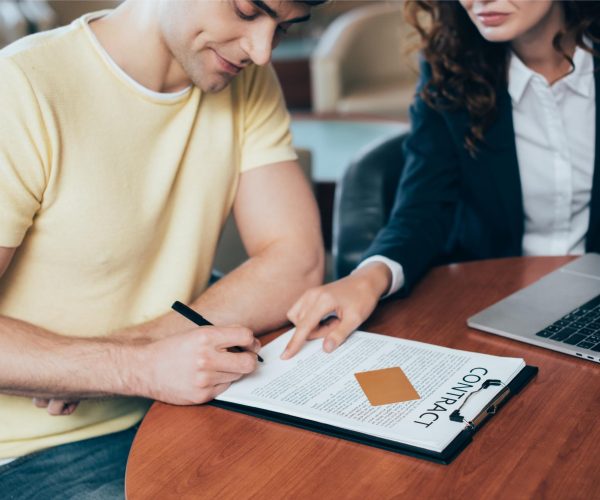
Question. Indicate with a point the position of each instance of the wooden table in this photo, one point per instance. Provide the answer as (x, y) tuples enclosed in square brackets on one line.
[(545, 443)]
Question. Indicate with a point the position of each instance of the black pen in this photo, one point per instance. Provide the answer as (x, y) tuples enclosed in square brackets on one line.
[(200, 320)]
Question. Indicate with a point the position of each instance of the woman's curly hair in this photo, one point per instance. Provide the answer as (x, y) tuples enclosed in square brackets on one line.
[(467, 70)]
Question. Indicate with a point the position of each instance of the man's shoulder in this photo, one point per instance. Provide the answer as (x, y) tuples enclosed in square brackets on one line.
[(40, 43), (48, 52)]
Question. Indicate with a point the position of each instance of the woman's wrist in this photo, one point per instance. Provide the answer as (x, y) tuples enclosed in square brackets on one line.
[(376, 276)]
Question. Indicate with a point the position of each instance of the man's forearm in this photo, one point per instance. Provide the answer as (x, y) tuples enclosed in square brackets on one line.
[(187, 368), (36, 362), (258, 293)]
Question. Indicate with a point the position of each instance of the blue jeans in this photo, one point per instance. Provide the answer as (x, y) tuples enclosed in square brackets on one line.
[(89, 469)]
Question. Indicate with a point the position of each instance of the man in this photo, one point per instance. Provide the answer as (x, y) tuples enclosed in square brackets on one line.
[(125, 140)]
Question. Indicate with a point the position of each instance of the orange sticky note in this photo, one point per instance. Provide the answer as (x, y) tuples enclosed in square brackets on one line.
[(389, 385)]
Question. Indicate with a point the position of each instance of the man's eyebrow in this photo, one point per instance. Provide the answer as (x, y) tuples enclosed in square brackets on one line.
[(274, 15)]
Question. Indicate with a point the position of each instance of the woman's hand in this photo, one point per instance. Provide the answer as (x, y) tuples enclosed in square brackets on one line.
[(351, 300)]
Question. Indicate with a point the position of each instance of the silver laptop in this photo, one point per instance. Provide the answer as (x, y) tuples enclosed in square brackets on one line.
[(561, 311)]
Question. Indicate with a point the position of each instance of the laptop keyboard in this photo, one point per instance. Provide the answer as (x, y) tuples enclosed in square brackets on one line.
[(581, 327)]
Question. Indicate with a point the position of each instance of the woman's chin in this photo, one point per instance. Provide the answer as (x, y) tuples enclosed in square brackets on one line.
[(497, 34)]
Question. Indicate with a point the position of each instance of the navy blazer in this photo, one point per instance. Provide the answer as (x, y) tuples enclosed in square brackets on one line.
[(451, 207)]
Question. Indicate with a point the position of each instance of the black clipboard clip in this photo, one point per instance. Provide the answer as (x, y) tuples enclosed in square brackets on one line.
[(489, 410)]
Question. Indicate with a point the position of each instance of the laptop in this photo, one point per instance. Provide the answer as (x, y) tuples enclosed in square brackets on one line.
[(561, 311)]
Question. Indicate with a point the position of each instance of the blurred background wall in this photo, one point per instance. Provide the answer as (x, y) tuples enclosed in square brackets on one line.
[(67, 10)]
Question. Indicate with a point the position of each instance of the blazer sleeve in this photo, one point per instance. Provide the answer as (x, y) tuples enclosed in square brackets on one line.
[(426, 199)]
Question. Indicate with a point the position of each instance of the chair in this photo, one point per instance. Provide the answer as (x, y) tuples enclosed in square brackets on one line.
[(39, 15), (19, 18), (363, 201), (13, 24), (359, 64)]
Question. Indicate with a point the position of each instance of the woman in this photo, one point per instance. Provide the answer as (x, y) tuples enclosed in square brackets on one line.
[(501, 159)]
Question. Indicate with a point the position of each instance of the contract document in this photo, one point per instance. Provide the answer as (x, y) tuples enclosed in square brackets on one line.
[(319, 387)]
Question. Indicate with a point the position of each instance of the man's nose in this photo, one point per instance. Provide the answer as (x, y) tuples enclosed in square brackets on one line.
[(258, 44)]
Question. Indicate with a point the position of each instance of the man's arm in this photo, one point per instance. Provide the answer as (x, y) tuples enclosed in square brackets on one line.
[(278, 221), (6, 255), (167, 359), (190, 367), (279, 224)]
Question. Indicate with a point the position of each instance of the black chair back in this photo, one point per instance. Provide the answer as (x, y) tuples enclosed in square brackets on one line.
[(363, 201)]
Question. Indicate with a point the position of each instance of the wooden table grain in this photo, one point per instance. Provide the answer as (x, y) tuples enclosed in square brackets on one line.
[(545, 443)]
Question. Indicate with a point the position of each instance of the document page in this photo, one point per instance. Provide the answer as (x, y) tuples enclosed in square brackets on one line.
[(322, 387)]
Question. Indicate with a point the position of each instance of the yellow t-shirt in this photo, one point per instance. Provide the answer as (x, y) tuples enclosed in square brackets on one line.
[(116, 196)]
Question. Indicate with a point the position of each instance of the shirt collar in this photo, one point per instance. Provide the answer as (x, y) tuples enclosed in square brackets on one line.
[(519, 77), (579, 81)]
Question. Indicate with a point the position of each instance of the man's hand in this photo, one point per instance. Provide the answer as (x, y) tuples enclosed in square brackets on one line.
[(351, 300), (189, 366), (193, 367), (56, 407)]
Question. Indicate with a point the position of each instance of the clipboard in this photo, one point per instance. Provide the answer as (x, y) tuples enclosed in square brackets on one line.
[(445, 457)]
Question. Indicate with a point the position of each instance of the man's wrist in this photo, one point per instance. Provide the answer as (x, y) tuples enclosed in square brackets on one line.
[(127, 360)]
